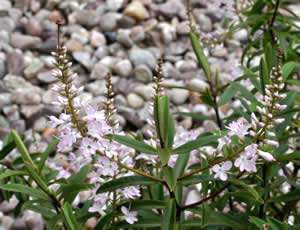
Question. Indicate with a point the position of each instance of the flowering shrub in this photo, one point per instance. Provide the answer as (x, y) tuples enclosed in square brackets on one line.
[(139, 183)]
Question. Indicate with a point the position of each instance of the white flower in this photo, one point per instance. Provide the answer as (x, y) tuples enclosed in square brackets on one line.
[(246, 163), (221, 171), (223, 141), (267, 156), (238, 128), (130, 217)]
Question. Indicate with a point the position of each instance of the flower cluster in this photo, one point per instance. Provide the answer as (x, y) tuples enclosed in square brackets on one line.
[(263, 127), (85, 127)]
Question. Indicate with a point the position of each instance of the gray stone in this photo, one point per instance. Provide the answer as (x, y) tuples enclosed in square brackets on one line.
[(146, 91), (183, 28), (7, 24), (143, 73), (135, 101), (5, 6), (123, 68), (48, 46), (11, 112), (15, 63), (26, 96), (97, 39), (137, 10), (48, 61), (109, 21), (5, 99), (84, 58), (31, 110), (168, 32), (19, 224), (177, 48), (137, 33), (34, 221), (124, 38), (115, 5), (126, 22), (97, 87), (187, 66), (40, 124), (22, 41), (139, 56), (2, 69), (179, 96), (87, 18), (32, 70), (219, 52), (101, 52), (4, 36), (172, 8), (49, 96), (99, 71), (3, 123), (209, 126), (7, 222), (203, 21), (241, 35), (11, 82), (192, 197), (8, 206), (46, 77), (33, 27)]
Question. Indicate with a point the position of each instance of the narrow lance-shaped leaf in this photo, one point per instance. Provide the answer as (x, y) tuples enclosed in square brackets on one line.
[(163, 118), (21, 147), (171, 133), (125, 182), (195, 144), (170, 178), (25, 190), (200, 55), (34, 174), (263, 74), (132, 143), (227, 95), (69, 217), (169, 218), (45, 155)]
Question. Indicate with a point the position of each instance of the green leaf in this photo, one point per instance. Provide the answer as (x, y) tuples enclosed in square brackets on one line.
[(249, 96), (289, 157), (164, 155), (146, 204), (171, 133), (196, 179), (291, 196), (104, 221), (132, 143), (45, 155), (69, 217), (207, 100), (169, 218), (276, 224), (19, 188), (170, 178), (181, 164), (163, 118), (269, 56), (200, 55), (227, 95), (125, 182), (78, 178), (144, 223), (195, 144), (45, 212), (12, 173), (70, 191), (263, 74), (22, 149), (250, 189), (287, 69), (196, 116), (7, 149), (34, 174), (257, 221)]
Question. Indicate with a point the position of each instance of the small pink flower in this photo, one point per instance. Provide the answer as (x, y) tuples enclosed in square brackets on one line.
[(221, 171), (223, 141), (130, 217), (131, 192), (244, 163), (238, 128), (267, 156)]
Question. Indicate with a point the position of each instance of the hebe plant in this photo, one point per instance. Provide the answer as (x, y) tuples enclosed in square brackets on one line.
[(247, 170)]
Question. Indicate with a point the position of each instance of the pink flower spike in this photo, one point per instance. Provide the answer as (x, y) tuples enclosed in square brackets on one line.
[(267, 156), (221, 171), (130, 217)]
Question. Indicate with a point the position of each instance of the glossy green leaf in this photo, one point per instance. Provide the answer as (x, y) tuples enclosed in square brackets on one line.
[(263, 74), (22, 149), (144, 223), (12, 173), (69, 217), (170, 177), (19, 188), (169, 218), (146, 204), (276, 224), (200, 55), (39, 208), (181, 164), (227, 95), (7, 149), (35, 176), (132, 143), (45, 154), (257, 221), (171, 133), (70, 191), (104, 221), (289, 157), (196, 179), (164, 155), (163, 118), (125, 182), (249, 96), (291, 196), (195, 144), (287, 69)]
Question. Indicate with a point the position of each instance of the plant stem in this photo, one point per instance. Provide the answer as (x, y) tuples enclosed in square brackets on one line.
[(273, 20), (131, 169)]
